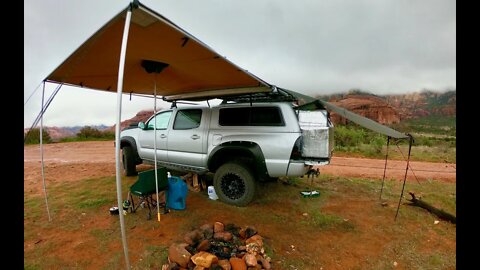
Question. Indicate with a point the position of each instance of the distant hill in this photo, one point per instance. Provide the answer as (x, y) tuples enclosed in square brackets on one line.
[(57, 133)]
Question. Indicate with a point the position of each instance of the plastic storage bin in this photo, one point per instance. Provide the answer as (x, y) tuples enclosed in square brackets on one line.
[(176, 193)]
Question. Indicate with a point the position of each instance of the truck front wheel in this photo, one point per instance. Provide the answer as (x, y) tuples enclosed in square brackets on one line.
[(128, 160), (234, 184)]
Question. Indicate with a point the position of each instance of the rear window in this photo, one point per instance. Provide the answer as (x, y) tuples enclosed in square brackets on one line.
[(251, 116)]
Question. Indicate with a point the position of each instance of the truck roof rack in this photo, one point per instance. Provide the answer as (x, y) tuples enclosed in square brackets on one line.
[(276, 95)]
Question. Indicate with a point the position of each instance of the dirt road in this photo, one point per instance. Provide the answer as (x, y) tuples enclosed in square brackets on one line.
[(77, 160)]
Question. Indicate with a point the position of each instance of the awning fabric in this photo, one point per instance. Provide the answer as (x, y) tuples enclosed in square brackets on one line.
[(191, 66), (310, 103)]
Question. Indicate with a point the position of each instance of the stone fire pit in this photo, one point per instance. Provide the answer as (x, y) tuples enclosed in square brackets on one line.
[(218, 246)]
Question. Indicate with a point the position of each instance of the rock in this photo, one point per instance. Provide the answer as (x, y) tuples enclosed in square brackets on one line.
[(242, 233), (234, 229), (227, 236), (242, 248), (198, 267), (218, 236), (224, 264), (215, 267), (250, 260), (371, 107), (207, 228), (204, 259), (395, 264), (250, 231), (436, 222), (218, 227), (193, 237), (253, 248), (265, 263), (203, 246), (172, 266), (179, 255), (255, 239), (237, 264)]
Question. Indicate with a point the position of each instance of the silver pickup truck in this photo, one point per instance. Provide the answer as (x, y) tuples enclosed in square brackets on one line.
[(241, 143)]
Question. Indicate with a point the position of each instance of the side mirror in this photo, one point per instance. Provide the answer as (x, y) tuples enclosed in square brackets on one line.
[(141, 125)]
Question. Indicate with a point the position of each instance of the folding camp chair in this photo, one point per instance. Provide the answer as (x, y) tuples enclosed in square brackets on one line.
[(144, 188)]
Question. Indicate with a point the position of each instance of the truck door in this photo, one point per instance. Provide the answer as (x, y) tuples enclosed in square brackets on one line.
[(187, 137), (146, 137)]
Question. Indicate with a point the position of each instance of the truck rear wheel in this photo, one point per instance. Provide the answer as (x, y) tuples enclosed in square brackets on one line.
[(234, 184), (128, 160)]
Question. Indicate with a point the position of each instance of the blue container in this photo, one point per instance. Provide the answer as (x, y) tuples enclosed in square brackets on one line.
[(176, 193)]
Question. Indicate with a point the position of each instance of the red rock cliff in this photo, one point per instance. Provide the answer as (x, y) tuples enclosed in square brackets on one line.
[(371, 107)]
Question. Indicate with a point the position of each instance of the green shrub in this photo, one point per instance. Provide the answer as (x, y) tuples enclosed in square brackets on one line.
[(33, 136), (88, 132)]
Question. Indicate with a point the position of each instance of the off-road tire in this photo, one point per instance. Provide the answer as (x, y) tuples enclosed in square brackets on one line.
[(128, 161), (234, 184)]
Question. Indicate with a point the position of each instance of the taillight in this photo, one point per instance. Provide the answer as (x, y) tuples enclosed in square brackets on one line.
[(297, 149)]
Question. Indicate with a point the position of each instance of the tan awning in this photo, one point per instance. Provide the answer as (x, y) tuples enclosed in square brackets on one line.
[(193, 67)]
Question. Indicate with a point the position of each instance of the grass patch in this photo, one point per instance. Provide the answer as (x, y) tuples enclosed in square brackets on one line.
[(31, 267), (408, 255), (434, 140), (33, 207), (321, 220), (115, 261), (103, 236), (153, 257), (93, 203)]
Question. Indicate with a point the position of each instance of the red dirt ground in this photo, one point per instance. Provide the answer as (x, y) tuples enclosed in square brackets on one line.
[(339, 250)]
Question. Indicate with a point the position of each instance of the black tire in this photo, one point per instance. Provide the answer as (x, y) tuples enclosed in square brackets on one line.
[(128, 160), (234, 184)]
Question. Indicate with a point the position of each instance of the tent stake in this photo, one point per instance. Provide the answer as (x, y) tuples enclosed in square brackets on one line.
[(406, 171), (41, 154), (385, 169), (121, 67)]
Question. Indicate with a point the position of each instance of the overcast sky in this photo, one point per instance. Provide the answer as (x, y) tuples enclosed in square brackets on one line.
[(313, 47)]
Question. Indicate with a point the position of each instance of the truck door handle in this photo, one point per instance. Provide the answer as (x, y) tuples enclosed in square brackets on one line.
[(195, 137), (163, 136)]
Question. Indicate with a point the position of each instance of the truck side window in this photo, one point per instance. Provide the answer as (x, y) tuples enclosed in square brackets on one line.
[(162, 120), (187, 119), (251, 116)]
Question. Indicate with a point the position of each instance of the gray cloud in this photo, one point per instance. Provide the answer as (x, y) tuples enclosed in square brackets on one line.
[(308, 46)]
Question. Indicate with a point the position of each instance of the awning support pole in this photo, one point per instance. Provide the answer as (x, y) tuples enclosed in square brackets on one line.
[(41, 153), (406, 171), (385, 169), (121, 67), (43, 109), (155, 142)]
